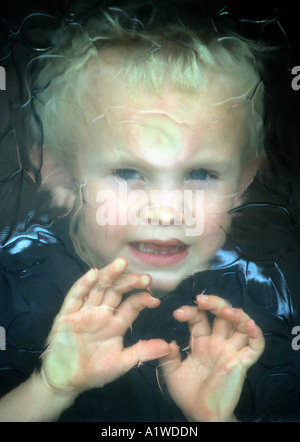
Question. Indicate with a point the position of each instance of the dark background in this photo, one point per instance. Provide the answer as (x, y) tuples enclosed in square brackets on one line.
[(263, 231)]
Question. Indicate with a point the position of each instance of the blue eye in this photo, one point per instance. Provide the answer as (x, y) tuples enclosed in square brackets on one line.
[(127, 174), (200, 175)]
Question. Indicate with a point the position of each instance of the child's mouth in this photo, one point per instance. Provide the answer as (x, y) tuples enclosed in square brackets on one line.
[(158, 252)]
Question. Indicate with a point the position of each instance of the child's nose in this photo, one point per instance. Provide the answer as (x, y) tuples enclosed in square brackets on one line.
[(164, 215)]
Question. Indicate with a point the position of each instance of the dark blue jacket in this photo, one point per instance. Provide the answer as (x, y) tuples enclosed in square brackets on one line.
[(37, 269)]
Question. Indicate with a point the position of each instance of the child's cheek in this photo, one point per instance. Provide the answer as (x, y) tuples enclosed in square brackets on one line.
[(217, 223), (213, 237), (108, 209), (104, 238), (216, 210)]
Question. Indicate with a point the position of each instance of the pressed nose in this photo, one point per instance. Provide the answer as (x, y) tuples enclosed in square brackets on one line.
[(164, 214)]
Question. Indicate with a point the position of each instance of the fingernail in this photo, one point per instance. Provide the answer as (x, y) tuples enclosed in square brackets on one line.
[(145, 279), (91, 275), (202, 296), (155, 301), (229, 304), (120, 264)]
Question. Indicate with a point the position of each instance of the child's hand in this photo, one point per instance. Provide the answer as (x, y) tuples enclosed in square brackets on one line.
[(208, 383), (85, 346)]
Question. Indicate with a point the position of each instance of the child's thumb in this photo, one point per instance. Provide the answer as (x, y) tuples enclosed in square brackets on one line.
[(172, 360), (144, 351)]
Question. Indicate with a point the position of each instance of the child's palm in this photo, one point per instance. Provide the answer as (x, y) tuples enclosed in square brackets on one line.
[(86, 342), (207, 384)]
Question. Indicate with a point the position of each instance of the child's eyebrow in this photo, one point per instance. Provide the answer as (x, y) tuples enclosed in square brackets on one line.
[(210, 165), (131, 162)]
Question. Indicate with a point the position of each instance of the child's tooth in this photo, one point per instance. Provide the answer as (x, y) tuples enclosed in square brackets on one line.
[(143, 248)]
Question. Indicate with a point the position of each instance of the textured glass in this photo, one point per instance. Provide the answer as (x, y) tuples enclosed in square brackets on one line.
[(257, 269)]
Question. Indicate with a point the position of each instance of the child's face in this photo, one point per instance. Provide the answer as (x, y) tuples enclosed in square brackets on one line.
[(175, 141)]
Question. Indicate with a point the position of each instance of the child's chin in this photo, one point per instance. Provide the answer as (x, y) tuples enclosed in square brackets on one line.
[(161, 286)]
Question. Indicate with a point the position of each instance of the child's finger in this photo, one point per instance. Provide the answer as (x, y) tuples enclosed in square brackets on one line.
[(252, 352), (107, 280), (124, 284), (256, 337), (247, 332), (222, 328), (108, 274), (77, 293), (111, 294), (132, 306), (229, 322), (144, 351), (212, 303), (238, 340), (197, 320), (172, 360), (172, 356), (237, 317), (224, 323)]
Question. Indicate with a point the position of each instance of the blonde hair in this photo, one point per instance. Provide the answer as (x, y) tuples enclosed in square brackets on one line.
[(154, 51), (152, 55)]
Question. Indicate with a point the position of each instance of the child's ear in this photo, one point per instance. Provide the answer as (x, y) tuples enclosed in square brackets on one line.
[(56, 179)]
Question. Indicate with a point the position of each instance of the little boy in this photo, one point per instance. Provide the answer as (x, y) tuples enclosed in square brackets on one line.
[(160, 128)]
